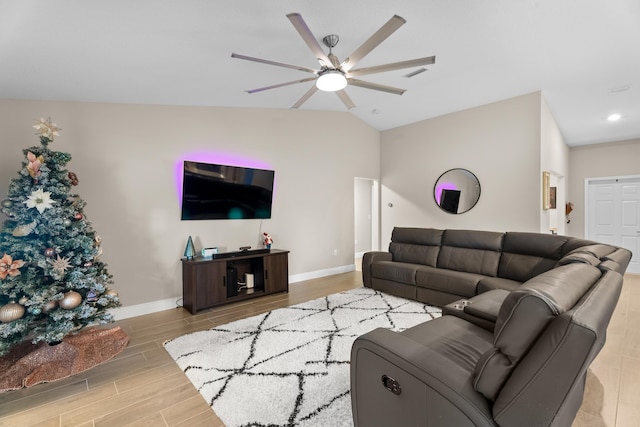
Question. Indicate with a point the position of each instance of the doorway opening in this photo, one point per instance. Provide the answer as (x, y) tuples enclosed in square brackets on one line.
[(366, 218)]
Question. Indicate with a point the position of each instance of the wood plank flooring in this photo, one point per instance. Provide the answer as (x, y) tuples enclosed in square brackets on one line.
[(143, 386)]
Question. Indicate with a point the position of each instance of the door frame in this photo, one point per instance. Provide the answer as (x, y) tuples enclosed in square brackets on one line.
[(374, 212)]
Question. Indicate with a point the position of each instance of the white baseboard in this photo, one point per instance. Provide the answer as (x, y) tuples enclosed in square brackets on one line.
[(321, 273), (126, 312), (121, 313)]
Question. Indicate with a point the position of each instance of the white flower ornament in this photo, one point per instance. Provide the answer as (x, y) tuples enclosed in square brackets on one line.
[(40, 200), (47, 129)]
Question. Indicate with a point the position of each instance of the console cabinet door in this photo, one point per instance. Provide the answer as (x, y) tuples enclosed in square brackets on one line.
[(211, 284), (276, 273), (203, 285)]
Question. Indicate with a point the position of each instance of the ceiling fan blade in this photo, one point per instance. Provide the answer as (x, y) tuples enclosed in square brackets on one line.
[(306, 96), (345, 99), (393, 66), (376, 86), (309, 38), (378, 37), (278, 64), (308, 79)]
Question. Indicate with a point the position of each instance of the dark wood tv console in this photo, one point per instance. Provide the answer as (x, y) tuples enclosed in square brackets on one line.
[(209, 282)]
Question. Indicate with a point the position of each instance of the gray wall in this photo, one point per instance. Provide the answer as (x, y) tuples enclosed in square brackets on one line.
[(127, 157), (500, 143)]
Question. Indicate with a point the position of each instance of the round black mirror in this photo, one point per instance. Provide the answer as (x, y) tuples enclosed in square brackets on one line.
[(457, 191)]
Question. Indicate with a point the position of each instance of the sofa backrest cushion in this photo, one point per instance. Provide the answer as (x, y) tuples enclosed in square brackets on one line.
[(471, 251), (415, 245), (524, 315), (526, 255)]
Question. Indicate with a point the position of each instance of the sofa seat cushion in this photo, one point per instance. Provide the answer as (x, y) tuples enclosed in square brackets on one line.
[(454, 339), (395, 271), (490, 283), (450, 281)]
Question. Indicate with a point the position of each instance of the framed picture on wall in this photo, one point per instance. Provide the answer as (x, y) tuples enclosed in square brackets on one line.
[(552, 197), (546, 191)]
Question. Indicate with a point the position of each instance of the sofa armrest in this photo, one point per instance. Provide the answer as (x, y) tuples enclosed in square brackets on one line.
[(486, 305), (432, 389), (620, 256), (369, 258)]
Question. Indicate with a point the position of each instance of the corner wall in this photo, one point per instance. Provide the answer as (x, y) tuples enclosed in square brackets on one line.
[(499, 142), (554, 158)]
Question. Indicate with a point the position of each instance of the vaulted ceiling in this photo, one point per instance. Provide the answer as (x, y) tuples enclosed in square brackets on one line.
[(583, 55)]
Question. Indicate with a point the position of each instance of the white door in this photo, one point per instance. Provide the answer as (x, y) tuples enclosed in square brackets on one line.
[(613, 214)]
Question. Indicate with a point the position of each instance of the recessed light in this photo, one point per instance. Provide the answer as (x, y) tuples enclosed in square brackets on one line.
[(619, 89), (614, 117)]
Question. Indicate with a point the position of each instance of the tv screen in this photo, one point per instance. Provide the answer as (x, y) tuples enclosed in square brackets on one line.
[(211, 191)]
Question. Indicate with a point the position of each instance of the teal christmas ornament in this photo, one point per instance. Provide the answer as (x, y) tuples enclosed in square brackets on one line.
[(190, 250)]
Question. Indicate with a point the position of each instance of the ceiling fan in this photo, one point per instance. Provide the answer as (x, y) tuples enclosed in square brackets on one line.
[(333, 75)]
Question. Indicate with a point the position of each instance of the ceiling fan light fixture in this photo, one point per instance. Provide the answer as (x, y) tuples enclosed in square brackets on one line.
[(331, 81)]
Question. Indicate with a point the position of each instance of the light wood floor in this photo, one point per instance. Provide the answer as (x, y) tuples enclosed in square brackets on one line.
[(142, 386)]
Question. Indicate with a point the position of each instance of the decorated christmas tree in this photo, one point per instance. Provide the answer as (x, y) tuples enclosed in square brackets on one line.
[(52, 281)]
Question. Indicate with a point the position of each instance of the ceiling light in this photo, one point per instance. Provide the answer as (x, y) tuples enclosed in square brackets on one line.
[(614, 117), (331, 81), (619, 89)]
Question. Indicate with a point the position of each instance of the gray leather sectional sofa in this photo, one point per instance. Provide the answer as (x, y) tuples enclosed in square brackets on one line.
[(524, 315)]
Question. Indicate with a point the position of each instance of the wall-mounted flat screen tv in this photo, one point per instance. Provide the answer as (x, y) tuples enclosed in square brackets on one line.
[(211, 191)]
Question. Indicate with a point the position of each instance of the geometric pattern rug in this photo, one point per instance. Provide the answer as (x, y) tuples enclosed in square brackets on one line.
[(290, 366)]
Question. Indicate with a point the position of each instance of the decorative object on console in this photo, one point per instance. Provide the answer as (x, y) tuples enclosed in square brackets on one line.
[(189, 250), (248, 280), (268, 241), (209, 252)]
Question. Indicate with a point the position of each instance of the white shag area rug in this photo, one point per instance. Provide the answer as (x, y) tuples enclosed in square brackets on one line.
[(290, 366)]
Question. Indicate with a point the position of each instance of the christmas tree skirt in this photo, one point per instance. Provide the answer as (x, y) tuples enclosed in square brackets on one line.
[(29, 364)]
